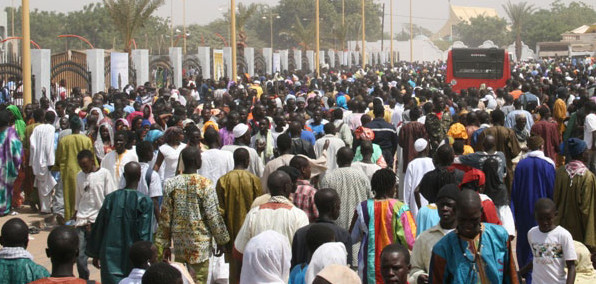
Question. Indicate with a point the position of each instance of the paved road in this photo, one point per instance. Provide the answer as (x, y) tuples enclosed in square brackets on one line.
[(38, 242)]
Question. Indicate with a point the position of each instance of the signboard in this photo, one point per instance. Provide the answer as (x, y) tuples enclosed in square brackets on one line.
[(218, 64), (276, 62)]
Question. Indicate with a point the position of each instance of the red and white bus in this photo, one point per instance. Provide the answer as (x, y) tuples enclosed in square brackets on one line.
[(471, 67)]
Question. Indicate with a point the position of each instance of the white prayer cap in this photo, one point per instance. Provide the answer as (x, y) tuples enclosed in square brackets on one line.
[(240, 130), (419, 145)]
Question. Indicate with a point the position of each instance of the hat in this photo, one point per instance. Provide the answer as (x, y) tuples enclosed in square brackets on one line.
[(300, 99), (363, 133), (591, 79), (576, 147), (449, 190), (458, 131), (336, 273), (240, 130), (473, 175), (534, 142), (420, 145)]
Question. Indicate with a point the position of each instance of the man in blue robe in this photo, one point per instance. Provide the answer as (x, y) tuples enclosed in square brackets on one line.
[(475, 252), (124, 218), (534, 179)]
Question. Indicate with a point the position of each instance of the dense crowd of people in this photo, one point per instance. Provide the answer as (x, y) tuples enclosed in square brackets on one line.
[(383, 175)]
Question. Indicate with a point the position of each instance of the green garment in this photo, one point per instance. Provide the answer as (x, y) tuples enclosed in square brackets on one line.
[(19, 123), (28, 131), (576, 204), (124, 218), (66, 162), (21, 271), (377, 153)]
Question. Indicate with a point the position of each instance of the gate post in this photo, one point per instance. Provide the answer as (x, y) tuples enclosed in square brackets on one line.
[(298, 58), (205, 61), (176, 59), (96, 65), (284, 59), (268, 55), (140, 61), (227, 58), (331, 62), (41, 64), (249, 57), (310, 56)]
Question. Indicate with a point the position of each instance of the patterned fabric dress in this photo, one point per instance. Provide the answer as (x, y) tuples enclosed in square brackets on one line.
[(11, 154), (380, 223)]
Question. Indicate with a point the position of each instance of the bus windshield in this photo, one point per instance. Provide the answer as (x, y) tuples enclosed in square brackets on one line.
[(478, 63)]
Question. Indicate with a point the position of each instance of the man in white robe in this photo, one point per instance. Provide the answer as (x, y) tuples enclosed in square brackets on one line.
[(335, 144), (242, 139), (414, 173), (41, 158), (115, 161)]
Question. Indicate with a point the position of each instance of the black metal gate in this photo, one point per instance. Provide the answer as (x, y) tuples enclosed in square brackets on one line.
[(161, 71), (75, 74)]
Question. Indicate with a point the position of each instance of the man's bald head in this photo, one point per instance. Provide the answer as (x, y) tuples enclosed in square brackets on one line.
[(279, 183), (469, 213), (60, 245), (241, 158), (489, 143), (15, 233), (328, 202), (345, 155), (132, 172)]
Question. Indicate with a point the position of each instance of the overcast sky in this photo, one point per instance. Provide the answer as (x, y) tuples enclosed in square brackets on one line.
[(428, 13)]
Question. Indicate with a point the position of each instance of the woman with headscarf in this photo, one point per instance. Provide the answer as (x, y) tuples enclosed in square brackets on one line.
[(104, 141), (266, 259), (11, 154), (122, 124), (19, 123), (362, 134), (132, 116), (326, 254), (148, 113)]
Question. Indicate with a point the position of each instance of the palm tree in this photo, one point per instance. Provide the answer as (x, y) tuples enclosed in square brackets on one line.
[(129, 16), (244, 13), (302, 34), (517, 13)]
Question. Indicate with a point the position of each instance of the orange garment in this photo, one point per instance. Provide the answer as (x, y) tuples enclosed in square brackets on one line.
[(559, 114), (516, 94)]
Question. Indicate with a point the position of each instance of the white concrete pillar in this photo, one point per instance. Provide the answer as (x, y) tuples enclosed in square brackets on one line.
[(268, 55), (356, 57), (349, 58), (298, 59), (96, 65), (331, 58), (176, 59), (205, 61), (321, 58), (41, 65), (276, 62), (140, 61), (249, 57), (310, 56), (284, 59), (227, 57)]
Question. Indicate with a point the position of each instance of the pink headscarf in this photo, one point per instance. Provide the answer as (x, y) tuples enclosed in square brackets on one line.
[(151, 119)]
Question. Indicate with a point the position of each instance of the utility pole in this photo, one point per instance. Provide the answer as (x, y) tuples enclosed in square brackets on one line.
[(172, 23), (317, 60), (233, 37), (391, 31), (26, 63), (383, 28), (343, 21), (363, 37), (411, 36), (184, 26)]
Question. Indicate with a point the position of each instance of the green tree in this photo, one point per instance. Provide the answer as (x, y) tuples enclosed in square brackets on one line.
[(302, 34), (540, 25), (129, 16), (482, 28), (518, 14)]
